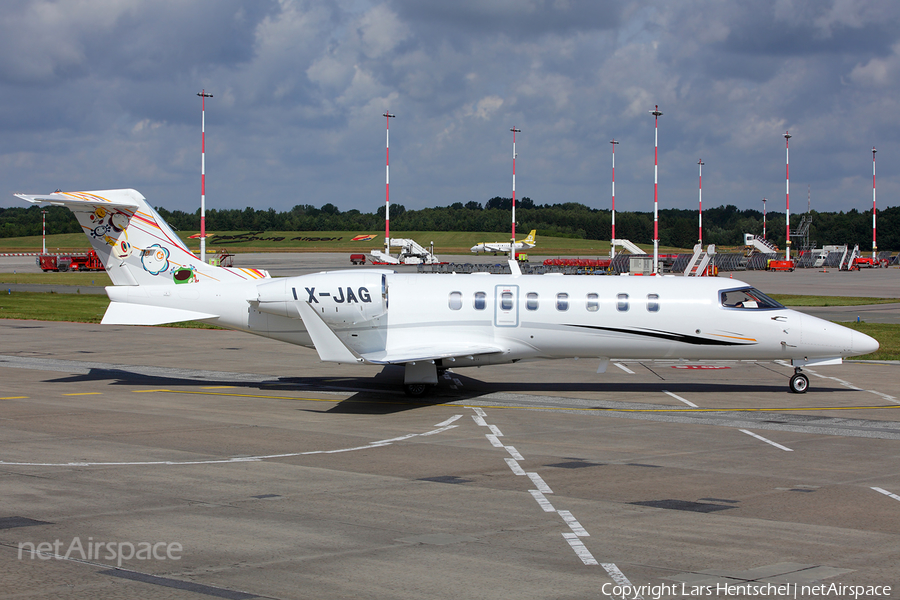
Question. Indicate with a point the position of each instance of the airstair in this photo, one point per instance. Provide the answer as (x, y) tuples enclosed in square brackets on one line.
[(759, 244), (411, 253), (699, 261), (627, 245)]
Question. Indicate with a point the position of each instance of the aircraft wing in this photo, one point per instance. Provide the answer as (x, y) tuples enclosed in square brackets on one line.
[(332, 349), (434, 352)]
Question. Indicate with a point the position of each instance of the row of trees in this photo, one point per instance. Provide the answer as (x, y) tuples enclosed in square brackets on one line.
[(723, 226)]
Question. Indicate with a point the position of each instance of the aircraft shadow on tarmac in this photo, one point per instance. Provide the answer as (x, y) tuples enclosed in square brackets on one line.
[(382, 394)]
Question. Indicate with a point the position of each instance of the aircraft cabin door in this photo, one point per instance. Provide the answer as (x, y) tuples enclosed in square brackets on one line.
[(506, 306)]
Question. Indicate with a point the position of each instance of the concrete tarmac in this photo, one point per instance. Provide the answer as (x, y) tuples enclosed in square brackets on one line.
[(246, 468)]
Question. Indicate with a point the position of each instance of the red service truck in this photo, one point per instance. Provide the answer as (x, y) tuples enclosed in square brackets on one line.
[(87, 261)]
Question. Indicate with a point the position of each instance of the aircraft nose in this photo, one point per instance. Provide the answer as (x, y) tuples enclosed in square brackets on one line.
[(862, 343)]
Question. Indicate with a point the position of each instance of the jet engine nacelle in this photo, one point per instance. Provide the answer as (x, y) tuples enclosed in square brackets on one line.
[(352, 303)]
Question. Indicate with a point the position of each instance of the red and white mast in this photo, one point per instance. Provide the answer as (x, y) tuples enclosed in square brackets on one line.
[(656, 114), (512, 242), (764, 218), (203, 95), (787, 191), (874, 247), (612, 239), (387, 181)]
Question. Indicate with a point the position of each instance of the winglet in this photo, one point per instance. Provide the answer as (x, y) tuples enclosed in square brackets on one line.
[(514, 268)]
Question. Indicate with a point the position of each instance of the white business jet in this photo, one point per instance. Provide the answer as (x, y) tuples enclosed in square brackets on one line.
[(504, 247), (430, 322)]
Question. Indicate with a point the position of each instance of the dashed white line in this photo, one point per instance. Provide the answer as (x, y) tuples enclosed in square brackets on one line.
[(542, 501), (514, 466), (448, 421), (886, 493), (539, 482), (479, 420), (759, 437), (495, 430), (493, 440), (573, 523), (618, 576), (479, 411), (680, 399), (514, 453), (581, 550), (624, 368)]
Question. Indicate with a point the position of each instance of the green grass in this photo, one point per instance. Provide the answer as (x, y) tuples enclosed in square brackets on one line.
[(798, 300), (96, 278), (445, 242), (87, 308)]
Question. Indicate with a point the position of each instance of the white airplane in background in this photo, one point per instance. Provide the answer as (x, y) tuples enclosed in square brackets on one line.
[(495, 247), (430, 322)]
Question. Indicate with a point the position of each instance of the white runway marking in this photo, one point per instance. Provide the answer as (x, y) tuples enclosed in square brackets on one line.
[(479, 420), (759, 437), (493, 440), (886, 493), (448, 421), (580, 549), (542, 500), (624, 368), (495, 430), (576, 527), (539, 483), (237, 459), (514, 453), (514, 466), (680, 399)]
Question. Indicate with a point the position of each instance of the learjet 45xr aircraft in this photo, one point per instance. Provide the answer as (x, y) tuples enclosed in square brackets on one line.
[(431, 322)]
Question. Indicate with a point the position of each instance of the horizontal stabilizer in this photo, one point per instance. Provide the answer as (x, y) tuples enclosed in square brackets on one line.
[(73, 199), (122, 313), (438, 351)]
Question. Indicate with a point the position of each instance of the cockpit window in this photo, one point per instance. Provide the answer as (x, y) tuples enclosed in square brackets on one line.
[(747, 298)]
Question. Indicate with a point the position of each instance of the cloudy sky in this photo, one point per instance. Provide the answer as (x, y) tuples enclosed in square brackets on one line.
[(98, 94)]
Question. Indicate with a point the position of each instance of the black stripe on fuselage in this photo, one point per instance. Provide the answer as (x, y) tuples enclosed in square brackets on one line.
[(665, 335)]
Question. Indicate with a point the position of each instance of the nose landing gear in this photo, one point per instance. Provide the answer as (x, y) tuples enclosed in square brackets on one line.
[(799, 382)]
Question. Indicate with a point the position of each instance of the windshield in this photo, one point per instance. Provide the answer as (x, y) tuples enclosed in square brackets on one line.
[(747, 298)]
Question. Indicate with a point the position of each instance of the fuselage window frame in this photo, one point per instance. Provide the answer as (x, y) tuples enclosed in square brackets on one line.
[(562, 301), (652, 302), (480, 300), (532, 301), (622, 302), (592, 303), (455, 300), (506, 300)]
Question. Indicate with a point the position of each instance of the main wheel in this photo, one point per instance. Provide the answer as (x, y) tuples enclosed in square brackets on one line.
[(416, 390), (799, 383)]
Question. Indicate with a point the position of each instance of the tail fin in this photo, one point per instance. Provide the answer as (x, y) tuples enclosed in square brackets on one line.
[(529, 241), (134, 243)]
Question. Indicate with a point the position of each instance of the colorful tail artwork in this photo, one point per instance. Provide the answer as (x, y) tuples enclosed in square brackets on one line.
[(529, 241), (134, 243)]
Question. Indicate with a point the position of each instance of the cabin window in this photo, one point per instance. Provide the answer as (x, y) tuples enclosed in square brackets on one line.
[(531, 301), (593, 302), (480, 300), (506, 301), (622, 302), (562, 301), (455, 300), (747, 298), (653, 302)]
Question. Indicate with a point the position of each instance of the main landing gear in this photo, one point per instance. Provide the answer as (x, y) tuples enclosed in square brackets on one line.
[(799, 382), (417, 390)]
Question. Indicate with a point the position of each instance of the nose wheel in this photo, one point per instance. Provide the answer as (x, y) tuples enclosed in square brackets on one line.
[(799, 382)]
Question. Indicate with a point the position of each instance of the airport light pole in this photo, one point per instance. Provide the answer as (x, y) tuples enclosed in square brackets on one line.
[(700, 214), (787, 192), (764, 218), (387, 181), (874, 247), (43, 232), (612, 239), (512, 243), (203, 95), (656, 114)]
